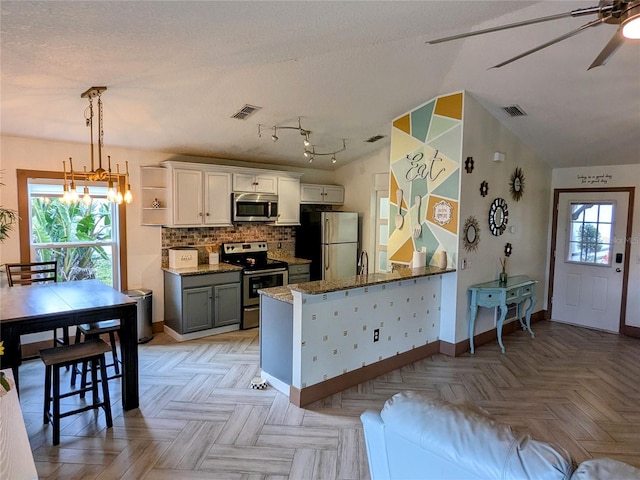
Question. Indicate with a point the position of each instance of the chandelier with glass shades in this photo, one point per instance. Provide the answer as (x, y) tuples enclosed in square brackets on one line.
[(99, 174), (309, 150)]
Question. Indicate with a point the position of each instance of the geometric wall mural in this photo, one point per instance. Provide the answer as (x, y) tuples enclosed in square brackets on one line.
[(426, 154)]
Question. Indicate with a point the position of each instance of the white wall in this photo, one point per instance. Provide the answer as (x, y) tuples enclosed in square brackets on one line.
[(484, 135), (616, 176), (358, 178), (143, 242)]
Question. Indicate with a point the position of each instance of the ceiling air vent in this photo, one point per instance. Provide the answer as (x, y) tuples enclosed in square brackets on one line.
[(245, 112), (514, 111), (375, 138)]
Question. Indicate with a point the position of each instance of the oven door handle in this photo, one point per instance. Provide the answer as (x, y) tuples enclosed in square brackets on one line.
[(260, 272)]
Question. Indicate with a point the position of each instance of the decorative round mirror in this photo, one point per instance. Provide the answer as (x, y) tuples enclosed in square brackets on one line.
[(471, 236), (516, 185), (498, 216)]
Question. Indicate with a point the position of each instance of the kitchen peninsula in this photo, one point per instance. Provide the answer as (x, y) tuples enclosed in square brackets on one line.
[(319, 338)]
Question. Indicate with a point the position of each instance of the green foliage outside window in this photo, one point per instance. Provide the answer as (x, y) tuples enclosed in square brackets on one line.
[(55, 224), (590, 240)]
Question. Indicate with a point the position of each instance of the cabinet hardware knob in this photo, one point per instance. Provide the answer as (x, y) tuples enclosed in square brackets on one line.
[(207, 214)]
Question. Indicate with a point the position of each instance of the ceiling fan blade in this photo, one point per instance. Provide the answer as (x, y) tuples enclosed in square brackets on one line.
[(607, 52), (574, 13), (570, 34)]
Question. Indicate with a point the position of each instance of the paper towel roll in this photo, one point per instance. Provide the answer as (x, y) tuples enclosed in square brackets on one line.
[(419, 259)]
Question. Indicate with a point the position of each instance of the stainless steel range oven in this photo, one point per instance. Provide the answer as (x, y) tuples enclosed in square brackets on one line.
[(258, 272)]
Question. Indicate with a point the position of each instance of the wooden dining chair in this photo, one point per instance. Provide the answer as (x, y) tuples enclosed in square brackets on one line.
[(36, 272)]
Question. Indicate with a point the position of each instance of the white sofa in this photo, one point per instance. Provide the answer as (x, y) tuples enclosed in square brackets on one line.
[(418, 437), (16, 459)]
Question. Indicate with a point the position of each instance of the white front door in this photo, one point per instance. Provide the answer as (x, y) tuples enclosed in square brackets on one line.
[(588, 273)]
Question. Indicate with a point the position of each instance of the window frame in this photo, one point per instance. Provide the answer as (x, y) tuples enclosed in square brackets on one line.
[(380, 247), (569, 240), (24, 223)]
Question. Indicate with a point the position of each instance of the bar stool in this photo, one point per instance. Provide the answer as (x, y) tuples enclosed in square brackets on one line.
[(93, 351), (94, 330)]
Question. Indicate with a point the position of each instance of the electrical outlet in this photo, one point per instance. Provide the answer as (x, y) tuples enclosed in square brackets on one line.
[(376, 335)]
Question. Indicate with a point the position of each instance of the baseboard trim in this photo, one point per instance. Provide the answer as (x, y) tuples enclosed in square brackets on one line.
[(157, 327), (307, 395), (183, 337), (492, 335), (457, 349), (631, 331), (32, 350)]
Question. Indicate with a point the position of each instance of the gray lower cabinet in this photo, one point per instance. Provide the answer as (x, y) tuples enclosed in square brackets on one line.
[(299, 273), (203, 301), (226, 304)]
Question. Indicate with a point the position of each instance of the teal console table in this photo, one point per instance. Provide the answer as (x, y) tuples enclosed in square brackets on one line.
[(517, 290)]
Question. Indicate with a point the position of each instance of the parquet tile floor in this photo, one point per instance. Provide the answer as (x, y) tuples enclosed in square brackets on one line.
[(199, 419)]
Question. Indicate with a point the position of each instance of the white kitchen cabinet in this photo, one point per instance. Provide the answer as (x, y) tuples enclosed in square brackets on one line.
[(200, 194), (154, 196), (201, 198), (217, 198), (322, 194), (243, 182), (288, 201)]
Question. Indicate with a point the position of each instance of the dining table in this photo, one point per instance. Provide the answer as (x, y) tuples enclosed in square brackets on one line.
[(46, 306)]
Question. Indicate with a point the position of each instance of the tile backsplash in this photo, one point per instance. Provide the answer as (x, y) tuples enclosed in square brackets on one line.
[(280, 240)]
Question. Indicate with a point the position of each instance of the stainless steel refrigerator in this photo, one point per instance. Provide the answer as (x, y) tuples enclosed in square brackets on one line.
[(330, 241)]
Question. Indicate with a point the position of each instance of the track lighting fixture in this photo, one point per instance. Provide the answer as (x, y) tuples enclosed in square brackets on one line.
[(332, 154), (275, 128), (309, 149)]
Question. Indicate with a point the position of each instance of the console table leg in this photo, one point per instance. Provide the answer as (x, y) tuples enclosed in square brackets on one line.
[(532, 301), (472, 322), (503, 315), (519, 315)]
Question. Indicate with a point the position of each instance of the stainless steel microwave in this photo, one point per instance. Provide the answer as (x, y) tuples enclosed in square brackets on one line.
[(254, 207)]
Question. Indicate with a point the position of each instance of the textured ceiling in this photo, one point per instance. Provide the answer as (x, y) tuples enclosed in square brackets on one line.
[(177, 71)]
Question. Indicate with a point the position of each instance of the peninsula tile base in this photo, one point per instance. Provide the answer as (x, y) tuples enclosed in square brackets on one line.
[(307, 395)]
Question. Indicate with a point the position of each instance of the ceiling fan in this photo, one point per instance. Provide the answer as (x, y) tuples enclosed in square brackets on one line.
[(625, 14)]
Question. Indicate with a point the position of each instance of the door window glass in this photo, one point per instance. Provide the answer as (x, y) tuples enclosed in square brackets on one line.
[(590, 233)]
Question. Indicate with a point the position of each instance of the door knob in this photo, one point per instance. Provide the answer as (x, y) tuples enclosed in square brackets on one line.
[(618, 270)]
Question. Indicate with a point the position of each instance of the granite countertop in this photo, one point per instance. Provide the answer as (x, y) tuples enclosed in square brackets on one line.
[(290, 260), (279, 293), (319, 287), (203, 268)]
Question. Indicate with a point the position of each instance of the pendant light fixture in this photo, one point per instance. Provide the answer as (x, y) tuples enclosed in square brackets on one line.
[(96, 174)]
